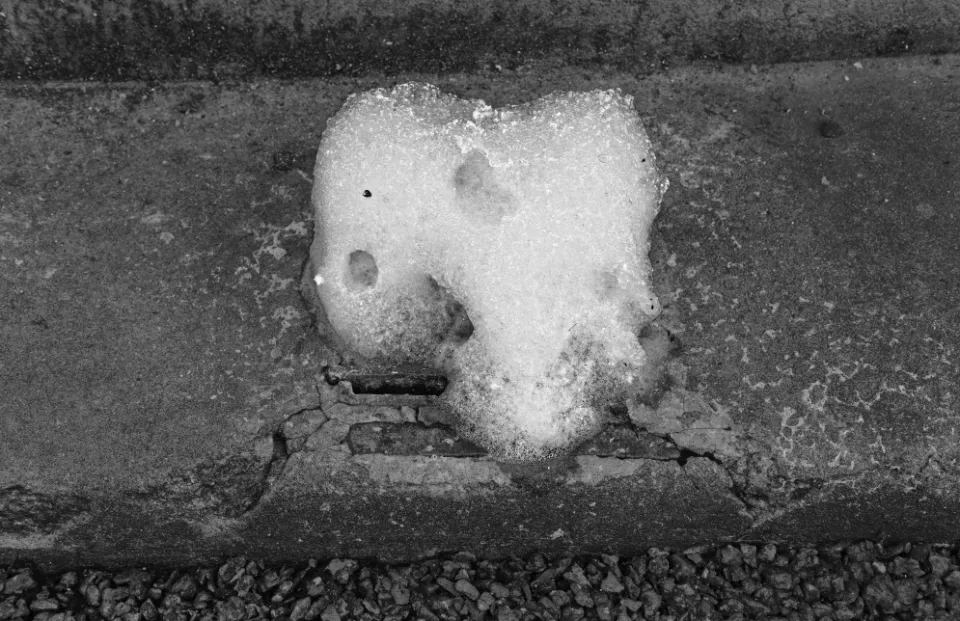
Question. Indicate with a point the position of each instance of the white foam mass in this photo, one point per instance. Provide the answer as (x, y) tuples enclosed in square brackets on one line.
[(506, 247)]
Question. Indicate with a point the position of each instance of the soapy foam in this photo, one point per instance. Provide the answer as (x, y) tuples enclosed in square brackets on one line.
[(507, 247)]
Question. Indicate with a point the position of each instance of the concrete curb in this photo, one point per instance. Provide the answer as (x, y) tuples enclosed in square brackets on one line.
[(161, 387), (214, 39)]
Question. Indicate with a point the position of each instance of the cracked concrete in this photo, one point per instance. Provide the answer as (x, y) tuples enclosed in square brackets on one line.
[(162, 387)]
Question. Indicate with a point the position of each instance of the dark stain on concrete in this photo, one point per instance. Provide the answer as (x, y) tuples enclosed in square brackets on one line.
[(226, 487), (23, 511), (156, 41)]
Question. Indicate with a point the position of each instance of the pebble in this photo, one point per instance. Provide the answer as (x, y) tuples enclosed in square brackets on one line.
[(300, 609), (232, 610), (44, 604), (486, 601), (185, 587), (330, 614), (93, 595), (560, 598), (659, 566), (499, 591), (68, 581), (782, 580), (544, 583), (447, 585), (19, 583), (582, 596), (576, 576), (400, 594), (939, 565), (507, 614), (464, 586), (952, 579), (611, 584), (682, 566), (126, 577), (729, 555), (651, 602), (864, 551)]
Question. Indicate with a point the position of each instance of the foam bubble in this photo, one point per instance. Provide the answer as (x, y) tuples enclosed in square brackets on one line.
[(506, 247)]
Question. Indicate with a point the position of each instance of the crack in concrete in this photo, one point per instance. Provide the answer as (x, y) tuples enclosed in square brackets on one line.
[(281, 450), (297, 430), (682, 418)]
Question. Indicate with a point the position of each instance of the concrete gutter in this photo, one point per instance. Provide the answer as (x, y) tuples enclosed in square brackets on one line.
[(220, 40), (162, 394)]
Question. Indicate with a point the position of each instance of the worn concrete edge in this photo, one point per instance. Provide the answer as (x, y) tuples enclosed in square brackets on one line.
[(162, 39), (688, 505), (316, 500)]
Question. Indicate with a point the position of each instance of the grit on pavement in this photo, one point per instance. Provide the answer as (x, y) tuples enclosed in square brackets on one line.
[(830, 583), (167, 398)]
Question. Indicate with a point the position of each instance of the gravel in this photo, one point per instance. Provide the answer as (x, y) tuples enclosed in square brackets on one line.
[(864, 580)]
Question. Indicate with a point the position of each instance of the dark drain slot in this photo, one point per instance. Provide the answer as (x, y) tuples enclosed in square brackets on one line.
[(416, 439), (390, 383), (409, 439)]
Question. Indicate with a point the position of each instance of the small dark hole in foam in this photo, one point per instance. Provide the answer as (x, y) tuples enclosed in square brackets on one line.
[(362, 271), (473, 174), (458, 328), (461, 328)]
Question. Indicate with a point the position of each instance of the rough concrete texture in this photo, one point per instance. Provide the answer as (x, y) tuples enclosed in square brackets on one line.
[(162, 394), (221, 40)]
